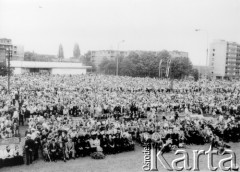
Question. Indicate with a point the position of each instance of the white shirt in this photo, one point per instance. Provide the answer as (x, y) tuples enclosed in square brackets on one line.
[(6, 154), (15, 114)]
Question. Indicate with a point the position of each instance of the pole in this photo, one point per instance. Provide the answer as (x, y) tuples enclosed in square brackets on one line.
[(117, 65), (118, 55), (206, 71), (159, 68), (159, 72), (9, 54)]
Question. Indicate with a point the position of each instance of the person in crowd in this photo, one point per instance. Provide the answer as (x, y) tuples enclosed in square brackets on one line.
[(114, 111), (29, 147), (70, 149)]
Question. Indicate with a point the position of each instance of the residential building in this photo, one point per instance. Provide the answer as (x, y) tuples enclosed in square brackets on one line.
[(98, 56), (176, 53), (5, 44), (17, 50), (224, 59)]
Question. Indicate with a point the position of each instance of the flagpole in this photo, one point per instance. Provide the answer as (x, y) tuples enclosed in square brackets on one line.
[(160, 63)]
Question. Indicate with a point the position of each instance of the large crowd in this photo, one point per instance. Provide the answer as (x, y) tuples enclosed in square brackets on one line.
[(72, 116)]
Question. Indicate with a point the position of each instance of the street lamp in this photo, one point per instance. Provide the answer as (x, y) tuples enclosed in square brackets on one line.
[(206, 32), (122, 41), (159, 68), (9, 56)]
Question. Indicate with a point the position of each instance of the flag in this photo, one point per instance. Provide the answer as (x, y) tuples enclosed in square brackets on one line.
[(160, 63), (168, 67)]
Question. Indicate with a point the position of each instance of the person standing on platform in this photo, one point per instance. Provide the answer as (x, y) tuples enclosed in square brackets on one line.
[(29, 146)]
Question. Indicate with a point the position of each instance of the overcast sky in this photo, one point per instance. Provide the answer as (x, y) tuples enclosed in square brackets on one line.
[(41, 25)]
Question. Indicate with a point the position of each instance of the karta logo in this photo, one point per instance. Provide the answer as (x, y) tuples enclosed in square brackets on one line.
[(152, 157)]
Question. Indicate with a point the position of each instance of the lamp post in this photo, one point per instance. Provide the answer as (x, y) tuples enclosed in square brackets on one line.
[(206, 32), (122, 41), (9, 56), (159, 68)]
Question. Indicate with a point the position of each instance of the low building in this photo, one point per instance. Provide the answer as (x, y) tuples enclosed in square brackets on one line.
[(98, 56), (55, 68)]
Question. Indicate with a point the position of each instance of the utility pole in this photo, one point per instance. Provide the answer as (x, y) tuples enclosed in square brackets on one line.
[(9, 56), (118, 54), (206, 73)]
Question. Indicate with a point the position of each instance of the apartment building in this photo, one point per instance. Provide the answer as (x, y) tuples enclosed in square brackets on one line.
[(224, 59)]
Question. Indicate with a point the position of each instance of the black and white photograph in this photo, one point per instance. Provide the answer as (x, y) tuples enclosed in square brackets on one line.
[(119, 85)]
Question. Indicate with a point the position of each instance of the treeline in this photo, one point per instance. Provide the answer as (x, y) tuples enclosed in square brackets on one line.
[(146, 64), (31, 56)]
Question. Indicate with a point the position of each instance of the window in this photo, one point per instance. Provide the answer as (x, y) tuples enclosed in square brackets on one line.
[(213, 54), (213, 49)]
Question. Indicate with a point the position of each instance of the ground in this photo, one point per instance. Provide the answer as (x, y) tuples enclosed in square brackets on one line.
[(123, 162)]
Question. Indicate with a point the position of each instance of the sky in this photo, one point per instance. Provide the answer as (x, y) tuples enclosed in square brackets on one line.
[(154, 25)]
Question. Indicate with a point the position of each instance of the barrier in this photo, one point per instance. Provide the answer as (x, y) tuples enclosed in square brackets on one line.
[(14, 156)]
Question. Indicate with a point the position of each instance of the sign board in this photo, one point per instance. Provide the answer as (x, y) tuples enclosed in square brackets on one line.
[(8, 141)]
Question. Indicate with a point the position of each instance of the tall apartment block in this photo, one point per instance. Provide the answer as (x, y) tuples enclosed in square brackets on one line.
[(224, 59)]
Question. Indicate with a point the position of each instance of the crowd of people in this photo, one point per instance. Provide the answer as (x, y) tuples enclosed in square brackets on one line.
[(62, 137), (9, 121), (71, 116)]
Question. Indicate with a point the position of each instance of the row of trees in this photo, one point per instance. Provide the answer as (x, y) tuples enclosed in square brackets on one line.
[(76, 52), (136, 64), (146, 64)]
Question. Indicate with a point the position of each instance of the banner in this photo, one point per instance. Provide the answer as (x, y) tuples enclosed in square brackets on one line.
[(8, 141)]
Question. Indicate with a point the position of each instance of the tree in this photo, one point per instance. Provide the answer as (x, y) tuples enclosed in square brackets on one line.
[(76, 51), (195, 74), (163, 56), (146, 64), (3, 69), (60, 53), (180, 67), (86, 60)]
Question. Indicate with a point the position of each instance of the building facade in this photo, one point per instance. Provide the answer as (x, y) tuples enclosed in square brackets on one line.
[(224, 59), (55, 68), (204, 71), (98, 56), (17, 51), (176, 53)]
